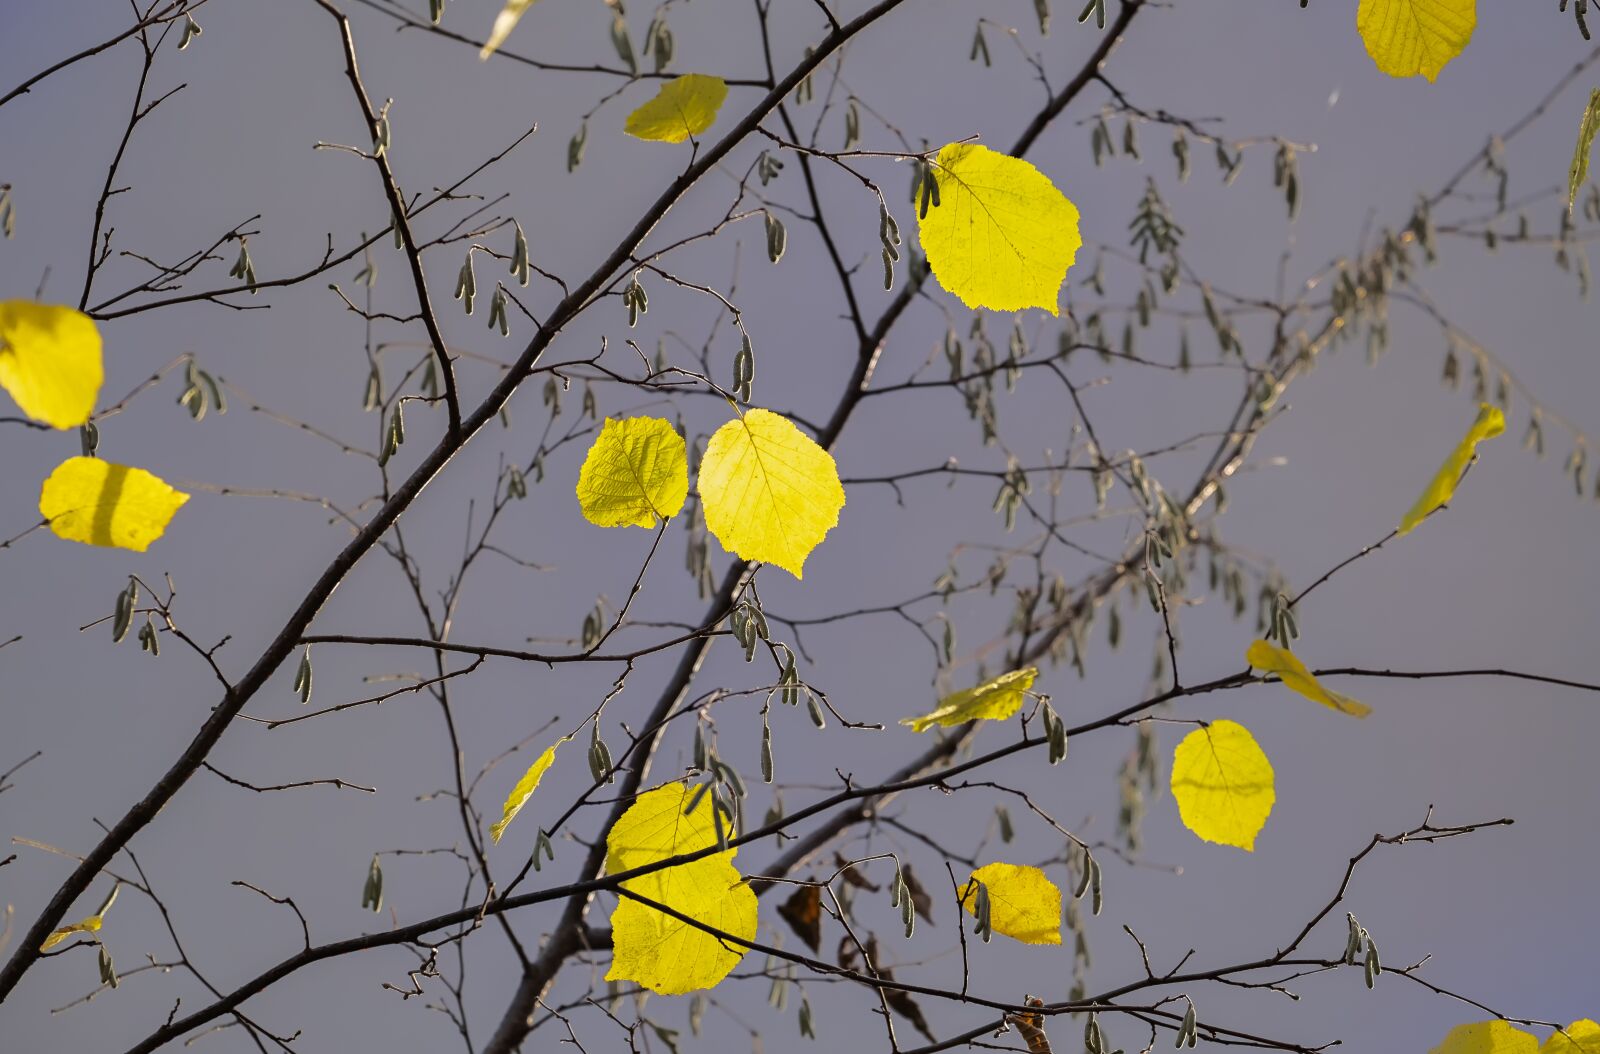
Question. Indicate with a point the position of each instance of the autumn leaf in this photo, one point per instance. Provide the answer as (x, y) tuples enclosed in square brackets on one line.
[(504, 23), (1293, 673), (1490, 423), (684, 106), (1002, 236), (770, 492), (1223, 784), (662, 953), (993, 700), (50, 361), (525, 787), (636, 472), (91, 924), (1580, 1037), (1408, 37), (1023, 903), (803, 912), (1487, 1037), (98, 503)]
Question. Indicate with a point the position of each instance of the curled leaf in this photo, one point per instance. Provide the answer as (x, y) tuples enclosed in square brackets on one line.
[(1293, 673), (525, 787), (1490, 423), (504, 23), (993, 700)]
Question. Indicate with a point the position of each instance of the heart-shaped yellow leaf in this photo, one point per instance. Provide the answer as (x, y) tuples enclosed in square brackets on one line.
[(50, 361), (1223, 784), (684, 106), (98, 503)]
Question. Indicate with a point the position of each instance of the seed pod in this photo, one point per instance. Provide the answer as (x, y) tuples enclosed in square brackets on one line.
[(980, 47), (467, 284), (435, 10), (542, 844), (372, 892), (521, 265), (575, 146), (108, 969), (815, 710), (777, 238), (148, 640), (624, 46), (191, 31), (766, 751), (302, 677), (599, 758)]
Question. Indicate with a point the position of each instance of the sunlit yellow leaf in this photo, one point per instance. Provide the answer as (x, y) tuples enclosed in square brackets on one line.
[(525, 787), (1023, 903), (99, 503), (91, 924), (684, 106), (1581, 1037), (636, 471), (504, 23), (770, 492), (995, 700), (50, 361), (1002, 236), (1293, 673), (1487, 1037), (1408, 37), (654, 949), (1490, 423), (1223, 784)]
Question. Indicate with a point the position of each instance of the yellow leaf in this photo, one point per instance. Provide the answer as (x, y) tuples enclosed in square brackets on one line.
[(525, 787), (98, 503), (1023, 903), (1293, 673), (1408, 37), (91, 924), (684, 106), (1578, 171), (50, 361), (636, 471), (504, 23), (1223, 784), (1490, 423), (770, 493), (1002, 236), (654, 949), (1581, 1037), (1487, 1037), (994, 700)]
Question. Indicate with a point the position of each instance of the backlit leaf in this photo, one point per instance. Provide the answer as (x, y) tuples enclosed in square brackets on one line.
[(770, 492), (656, 950), (98, 503), (1490, 423), (1023, 903), (525, 787), (504, 23), (994, 700), (1293, 673), (636, 471), (50, 361), (1487, 1037), (1579, 171), (684, 106), (1002, 236), (1223, 784), (1581, 1037), (1408, 37)]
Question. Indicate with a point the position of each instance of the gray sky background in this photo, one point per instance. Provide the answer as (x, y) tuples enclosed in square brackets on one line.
[(1505, 578)]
